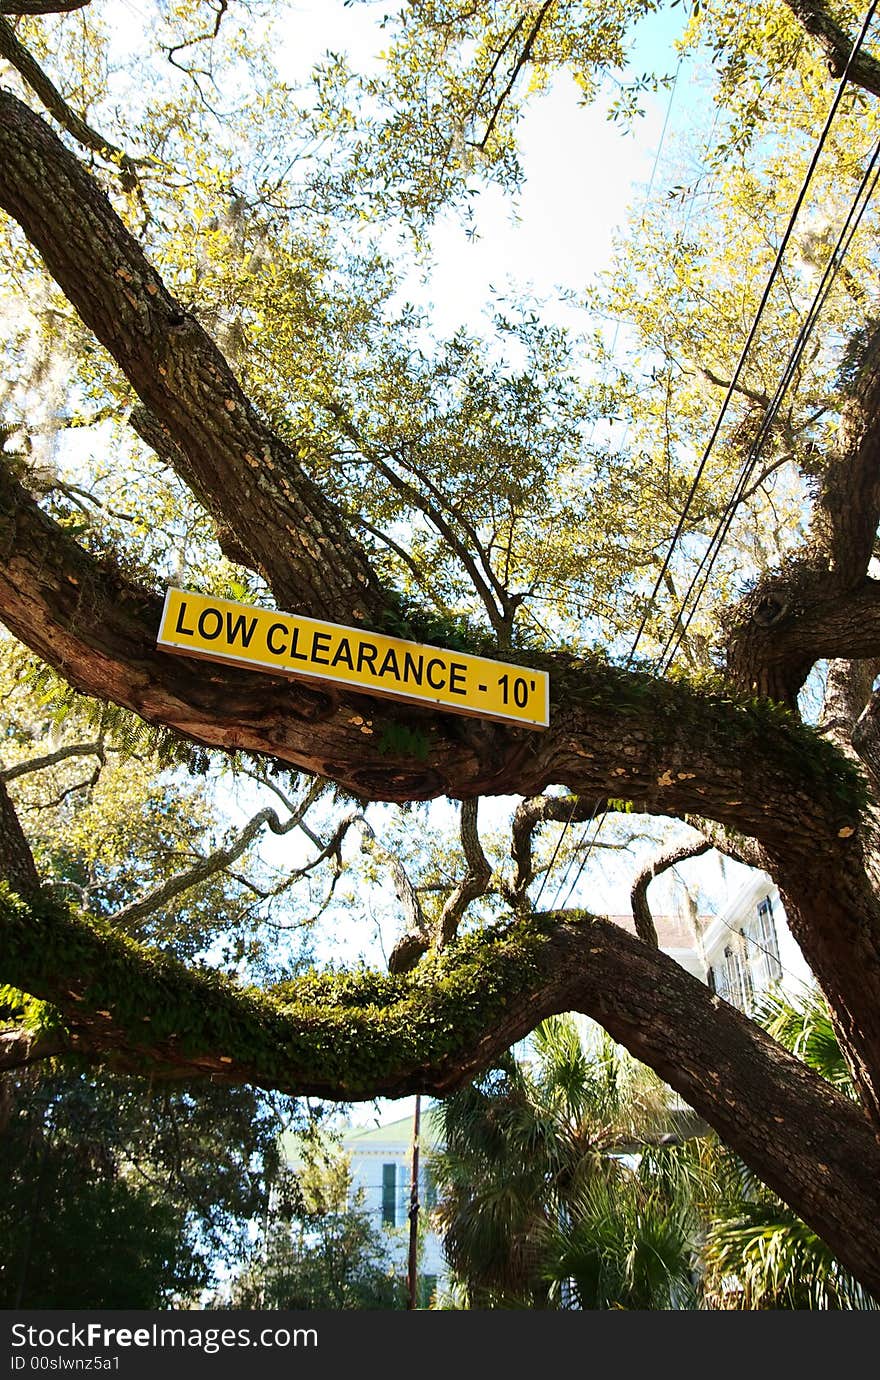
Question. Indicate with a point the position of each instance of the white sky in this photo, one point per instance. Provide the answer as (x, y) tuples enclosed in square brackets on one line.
[(582, 171)]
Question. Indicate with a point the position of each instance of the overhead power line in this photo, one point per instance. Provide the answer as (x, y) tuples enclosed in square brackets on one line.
[(864, 194), (865, 190)]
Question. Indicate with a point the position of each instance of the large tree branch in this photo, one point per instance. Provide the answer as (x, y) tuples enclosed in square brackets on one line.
[(672, 749), (27, 67), (644, 921), (19, 1048), (847, 508), (866, 740), (429, 1031), (822, 604), (41, 6), (797, 617), (239, 469), (836, 44)]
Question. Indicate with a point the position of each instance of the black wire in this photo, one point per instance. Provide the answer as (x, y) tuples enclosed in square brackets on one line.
[(731, 387), (838, 96), (832, 268)]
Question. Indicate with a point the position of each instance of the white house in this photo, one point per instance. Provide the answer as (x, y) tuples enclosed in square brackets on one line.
[(381, 1178), (739, 952), (748, 947)]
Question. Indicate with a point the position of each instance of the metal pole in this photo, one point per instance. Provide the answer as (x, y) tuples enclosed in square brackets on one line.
[(412, 1276)]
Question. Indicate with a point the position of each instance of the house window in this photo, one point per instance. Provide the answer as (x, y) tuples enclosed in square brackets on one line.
[(747, 985), (738, 979), (389, 1194), (767, 939), (721, 979)]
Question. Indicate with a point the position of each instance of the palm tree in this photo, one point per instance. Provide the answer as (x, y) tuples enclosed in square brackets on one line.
[(557, 1189), (627, 1244), (757, 1254), (537, 1147)]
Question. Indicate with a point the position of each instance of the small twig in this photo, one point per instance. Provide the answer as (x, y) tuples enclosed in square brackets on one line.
[(520, 64)]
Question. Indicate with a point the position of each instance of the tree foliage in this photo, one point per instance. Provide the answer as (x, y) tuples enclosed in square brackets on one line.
[(219, 372), (322, 1251), (535, 1192)]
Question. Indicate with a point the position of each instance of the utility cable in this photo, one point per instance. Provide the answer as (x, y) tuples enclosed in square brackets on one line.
[(864, 194), (731, 388)]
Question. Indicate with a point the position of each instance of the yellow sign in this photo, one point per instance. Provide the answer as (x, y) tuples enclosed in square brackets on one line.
[(370, 663)]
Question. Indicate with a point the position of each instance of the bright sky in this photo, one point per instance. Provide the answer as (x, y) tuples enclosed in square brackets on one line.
[(582, 171)]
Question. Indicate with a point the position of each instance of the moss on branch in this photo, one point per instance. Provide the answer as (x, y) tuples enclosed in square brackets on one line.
[(348, 1031)]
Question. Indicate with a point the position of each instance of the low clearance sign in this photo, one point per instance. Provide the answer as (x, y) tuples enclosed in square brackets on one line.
[(371, 663)]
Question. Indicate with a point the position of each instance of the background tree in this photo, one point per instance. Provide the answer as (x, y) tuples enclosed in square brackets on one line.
[(322, 1251), (149, 1187), (570, 1177), (206, 281), (531, 1172), (77, 1233)]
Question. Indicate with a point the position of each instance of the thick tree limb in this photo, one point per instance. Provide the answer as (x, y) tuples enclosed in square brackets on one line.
[(30, 70), (866, 739), (239, 470), (429, 1031), (41, 6), (836, 44), (797, 618), (19, 1048), (644, 921), (847, 508), (16, 860), (848, 692), (823, 604), (671, 749)]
